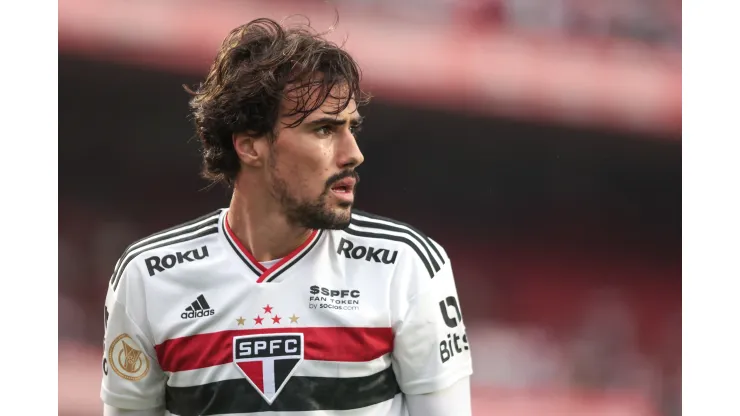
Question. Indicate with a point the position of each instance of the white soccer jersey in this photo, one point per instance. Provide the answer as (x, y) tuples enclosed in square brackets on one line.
[(344, 325)]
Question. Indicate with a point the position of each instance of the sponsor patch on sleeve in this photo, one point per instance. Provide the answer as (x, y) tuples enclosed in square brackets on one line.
[(126, 360)]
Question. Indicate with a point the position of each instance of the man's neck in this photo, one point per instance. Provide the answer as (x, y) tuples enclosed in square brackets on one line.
[(262, 228)]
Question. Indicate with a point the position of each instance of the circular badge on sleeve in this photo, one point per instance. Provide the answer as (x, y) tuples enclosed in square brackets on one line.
[(128, 362)]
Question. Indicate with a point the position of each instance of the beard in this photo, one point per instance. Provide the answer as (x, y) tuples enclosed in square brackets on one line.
[(315, 214)]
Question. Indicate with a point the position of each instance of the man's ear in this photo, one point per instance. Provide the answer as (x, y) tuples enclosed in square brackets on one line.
[(250, 149)]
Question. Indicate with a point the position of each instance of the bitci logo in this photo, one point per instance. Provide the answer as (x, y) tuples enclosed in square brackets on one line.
[(268, 361), (455, 343)]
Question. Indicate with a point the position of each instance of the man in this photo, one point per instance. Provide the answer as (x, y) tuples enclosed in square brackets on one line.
[(287, 302)]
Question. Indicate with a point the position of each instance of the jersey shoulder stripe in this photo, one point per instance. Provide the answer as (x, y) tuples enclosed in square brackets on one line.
[(365, 219), (427, 265), (158, 236), (409, 227), (362, 230), (192, 230)]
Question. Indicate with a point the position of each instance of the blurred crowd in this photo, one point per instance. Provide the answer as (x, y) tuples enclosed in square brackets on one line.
[(655, 22)]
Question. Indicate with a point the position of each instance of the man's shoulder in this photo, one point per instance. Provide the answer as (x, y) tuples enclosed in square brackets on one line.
[(166, 248), (368, 234)]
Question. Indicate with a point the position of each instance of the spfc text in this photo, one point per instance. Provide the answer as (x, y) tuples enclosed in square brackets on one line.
[(325, 298), (267, 346)]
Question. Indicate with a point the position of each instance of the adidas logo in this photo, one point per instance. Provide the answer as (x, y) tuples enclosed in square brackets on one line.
[(198, 309)]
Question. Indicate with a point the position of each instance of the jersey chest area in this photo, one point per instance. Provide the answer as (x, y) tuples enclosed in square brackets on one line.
[(230, 299)]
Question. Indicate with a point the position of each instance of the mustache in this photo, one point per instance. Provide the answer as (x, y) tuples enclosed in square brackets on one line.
[(341, 175)]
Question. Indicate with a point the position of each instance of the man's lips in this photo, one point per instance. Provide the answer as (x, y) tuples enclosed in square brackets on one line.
[(344, 185)]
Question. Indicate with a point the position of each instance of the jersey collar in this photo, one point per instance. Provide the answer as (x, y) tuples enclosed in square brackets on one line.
[(268, 274)]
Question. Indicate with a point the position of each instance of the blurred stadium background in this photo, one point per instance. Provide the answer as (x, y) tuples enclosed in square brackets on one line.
[(538, 140)]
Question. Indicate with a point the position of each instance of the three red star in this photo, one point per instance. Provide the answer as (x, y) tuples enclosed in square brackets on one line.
[(276, 319), (258, 320), (268, 308)]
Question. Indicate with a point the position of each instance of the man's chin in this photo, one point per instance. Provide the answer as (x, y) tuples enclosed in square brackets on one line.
[(341, 215), (343, 207), (332, 217)]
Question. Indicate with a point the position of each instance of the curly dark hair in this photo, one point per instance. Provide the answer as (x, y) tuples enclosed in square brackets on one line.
[(257, 66)]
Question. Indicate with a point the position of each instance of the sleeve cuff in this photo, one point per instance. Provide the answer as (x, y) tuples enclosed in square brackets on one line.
[(123, 402), (437, 383)]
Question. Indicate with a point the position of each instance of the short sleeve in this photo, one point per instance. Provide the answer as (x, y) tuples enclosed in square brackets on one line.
[(431, 350), (132, 378)]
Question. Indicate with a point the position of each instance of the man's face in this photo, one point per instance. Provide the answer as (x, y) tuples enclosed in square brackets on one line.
[(311, 167)]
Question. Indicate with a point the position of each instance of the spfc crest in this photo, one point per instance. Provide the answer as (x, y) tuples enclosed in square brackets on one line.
[(268, 360)]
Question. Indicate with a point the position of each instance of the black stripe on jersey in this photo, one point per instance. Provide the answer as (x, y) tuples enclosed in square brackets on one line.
[(350, 230), (403, 224), (238, 252), (142, 242), (184, 228), (204, 232), (300, 394), (367, 224), (297, 258)]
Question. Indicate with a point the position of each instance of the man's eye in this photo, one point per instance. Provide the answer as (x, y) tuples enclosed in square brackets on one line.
[(355, 130), (324, 130)]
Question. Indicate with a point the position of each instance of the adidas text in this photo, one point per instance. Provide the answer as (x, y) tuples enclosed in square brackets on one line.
[(156, 264), (197, 314), (352, 251)]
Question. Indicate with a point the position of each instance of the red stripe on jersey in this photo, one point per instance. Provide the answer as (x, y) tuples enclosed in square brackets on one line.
[(321, 343)]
